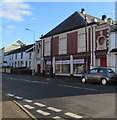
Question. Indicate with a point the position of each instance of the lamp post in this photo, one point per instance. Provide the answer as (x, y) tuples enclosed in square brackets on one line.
[(86, 42), (33, 72)]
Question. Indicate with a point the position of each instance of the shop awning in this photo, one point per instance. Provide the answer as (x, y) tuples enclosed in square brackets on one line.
[(114, 50)]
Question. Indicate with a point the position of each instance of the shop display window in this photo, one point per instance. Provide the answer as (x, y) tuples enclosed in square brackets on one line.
[(78, 68)]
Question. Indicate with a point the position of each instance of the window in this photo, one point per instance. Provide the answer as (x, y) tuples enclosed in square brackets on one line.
[(62, 66), (15, 56), (30, 55), (94, 71), (21, 55), (29, 64), (15, 64), (101, 71), (78, 68)]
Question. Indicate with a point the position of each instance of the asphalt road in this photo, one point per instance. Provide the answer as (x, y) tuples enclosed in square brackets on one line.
[(57, 98)]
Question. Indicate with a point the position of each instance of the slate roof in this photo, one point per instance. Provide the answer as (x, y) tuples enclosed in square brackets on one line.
[(114, 50), (75, 21), (113, 28), (22, 49)]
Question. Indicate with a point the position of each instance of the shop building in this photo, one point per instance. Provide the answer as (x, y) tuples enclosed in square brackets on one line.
[(77, 44)]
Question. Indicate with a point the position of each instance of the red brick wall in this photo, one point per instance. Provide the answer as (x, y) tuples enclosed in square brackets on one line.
[(72, 42), (55, 42)]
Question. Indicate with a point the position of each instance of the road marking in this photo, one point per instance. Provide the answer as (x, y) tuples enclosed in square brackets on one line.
[(56, 117), (39, 104), (54, 109), (26, 100), (35, 81), (73, 115), (43, 82), (17, 97), (43, 112), (11, 95), (28, 106), (77, 87)]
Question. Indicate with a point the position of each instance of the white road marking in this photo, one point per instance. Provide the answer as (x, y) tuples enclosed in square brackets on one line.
[(26, 100), (77, 87), (43, 112), (54, 109), (17, 97), (28, 106), (73, 115), (39, 104), (43, 82), (11, 95), (56, 117)]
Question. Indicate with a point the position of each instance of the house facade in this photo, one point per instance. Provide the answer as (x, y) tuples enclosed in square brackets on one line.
[(112, 55), (77, 44), (20, 57)]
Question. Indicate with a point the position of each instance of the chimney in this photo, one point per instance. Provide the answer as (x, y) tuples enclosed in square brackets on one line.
[(110, 21), (83, 11), (104, 18)]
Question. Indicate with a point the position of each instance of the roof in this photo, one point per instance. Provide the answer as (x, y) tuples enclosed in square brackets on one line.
[(22, 49), (113, 28), (114, 50), (14, 45), (75, 21), (30, 50)]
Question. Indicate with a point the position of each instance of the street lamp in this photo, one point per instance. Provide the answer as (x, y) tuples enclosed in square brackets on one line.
[(33, 72), (86, 42)]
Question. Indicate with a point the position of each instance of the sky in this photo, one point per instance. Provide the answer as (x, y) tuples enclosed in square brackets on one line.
[(41, 17)]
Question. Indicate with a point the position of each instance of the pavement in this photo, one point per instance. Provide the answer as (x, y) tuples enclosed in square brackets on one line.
[(10, 110)]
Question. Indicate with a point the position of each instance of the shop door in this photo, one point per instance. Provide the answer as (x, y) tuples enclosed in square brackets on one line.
[(103, 62), (38, 68)]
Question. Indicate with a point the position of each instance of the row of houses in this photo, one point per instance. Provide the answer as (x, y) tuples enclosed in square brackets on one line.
[(79, 43)]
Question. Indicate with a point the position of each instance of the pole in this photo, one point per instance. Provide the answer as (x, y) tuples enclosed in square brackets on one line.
[(51, 68), (33, 72), (86, 42)]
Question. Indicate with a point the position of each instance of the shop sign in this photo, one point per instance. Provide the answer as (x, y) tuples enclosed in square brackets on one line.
[(63, 62), (78, 61), (48, 62)]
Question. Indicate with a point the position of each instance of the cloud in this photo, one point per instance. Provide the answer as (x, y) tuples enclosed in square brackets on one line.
[(14, 10), (33, 18), (11, 26)]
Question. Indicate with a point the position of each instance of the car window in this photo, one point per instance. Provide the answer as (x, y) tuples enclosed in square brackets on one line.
[(110, 71), (101, 70), (94, 71)]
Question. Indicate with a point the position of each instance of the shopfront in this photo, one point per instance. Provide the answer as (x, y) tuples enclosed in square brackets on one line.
[(62, 66), (78, 66)]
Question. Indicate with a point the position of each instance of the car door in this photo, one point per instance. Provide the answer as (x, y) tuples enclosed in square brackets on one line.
[(93, 75)]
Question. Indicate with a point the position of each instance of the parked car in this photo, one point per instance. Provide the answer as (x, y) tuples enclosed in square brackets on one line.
[(100, 74)]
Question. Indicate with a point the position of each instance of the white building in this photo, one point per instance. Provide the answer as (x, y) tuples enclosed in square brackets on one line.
[(113, 48), (19, 58)]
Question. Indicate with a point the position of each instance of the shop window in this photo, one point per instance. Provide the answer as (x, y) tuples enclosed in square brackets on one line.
[(62, 66), (78, 68), (66, 68)]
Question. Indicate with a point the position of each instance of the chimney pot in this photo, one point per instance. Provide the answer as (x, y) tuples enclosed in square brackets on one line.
[(83, 10), (104, 18)]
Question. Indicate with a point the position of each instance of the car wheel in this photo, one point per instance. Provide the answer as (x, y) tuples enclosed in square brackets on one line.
[(83, 80), (103, 81)]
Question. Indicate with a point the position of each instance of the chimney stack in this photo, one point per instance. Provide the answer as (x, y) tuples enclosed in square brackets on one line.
[(83, 11), (104, 18)]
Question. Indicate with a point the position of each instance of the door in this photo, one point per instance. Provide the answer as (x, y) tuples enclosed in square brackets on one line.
[(103, 62), (93, 75), (38, 68)]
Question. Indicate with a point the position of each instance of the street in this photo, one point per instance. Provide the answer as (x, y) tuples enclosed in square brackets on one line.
[(57, 98)]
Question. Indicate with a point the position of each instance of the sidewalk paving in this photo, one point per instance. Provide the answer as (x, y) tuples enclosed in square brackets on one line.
[(12, 111)]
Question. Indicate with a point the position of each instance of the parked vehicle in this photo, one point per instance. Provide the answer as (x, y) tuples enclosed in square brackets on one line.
[(100, 74)]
